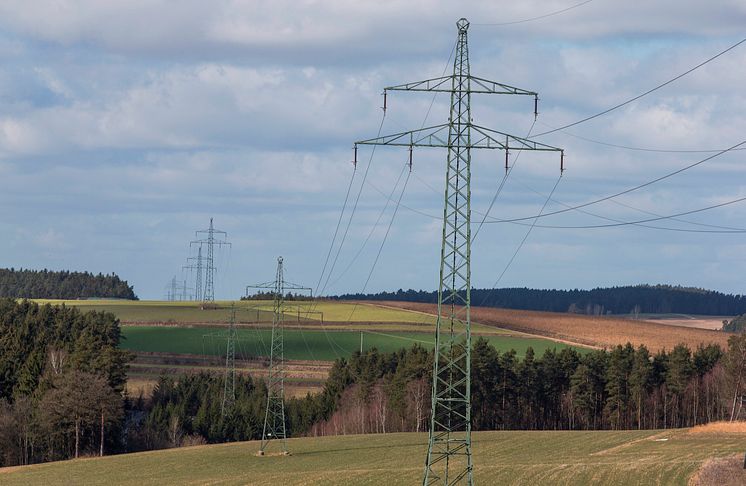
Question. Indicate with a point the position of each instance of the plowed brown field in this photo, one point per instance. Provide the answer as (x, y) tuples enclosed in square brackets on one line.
[(597, 331)]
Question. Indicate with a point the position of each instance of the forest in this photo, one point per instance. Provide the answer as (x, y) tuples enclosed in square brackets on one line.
[(47, 284), (372, 392), (637, 299), (62, 376), (62, 391)]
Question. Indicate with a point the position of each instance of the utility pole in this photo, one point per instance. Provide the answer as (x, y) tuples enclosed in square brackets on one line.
[(195, 263), (229, 388), (274, 416), (449, 458), (210, 240)]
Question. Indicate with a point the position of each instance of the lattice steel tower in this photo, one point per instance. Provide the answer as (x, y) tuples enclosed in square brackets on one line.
[(449, 450), (274, 416), (210, 241), (195, 263), (229, 388)]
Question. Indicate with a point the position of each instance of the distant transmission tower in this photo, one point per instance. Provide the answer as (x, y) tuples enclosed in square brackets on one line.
[(172, 290), (195, 263), (210, 241), (449, 458), (274, 416), (229, 389)]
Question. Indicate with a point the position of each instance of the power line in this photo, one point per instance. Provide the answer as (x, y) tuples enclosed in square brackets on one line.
[(508, 171), (626, 191), (336, 231), (648, 220), (373, 228), (352, 212), (645, 93), (629, 206), (640, 149), (383, 242), (520, 245), (551, 14)]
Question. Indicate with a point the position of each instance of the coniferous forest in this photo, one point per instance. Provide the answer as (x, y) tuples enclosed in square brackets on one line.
[(646, 299), (47, 284), (62, 393)]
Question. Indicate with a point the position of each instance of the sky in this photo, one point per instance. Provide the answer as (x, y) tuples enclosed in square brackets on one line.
[(126, 125)]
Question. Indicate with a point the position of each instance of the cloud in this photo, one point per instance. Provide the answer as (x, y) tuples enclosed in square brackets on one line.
[(124, 126)]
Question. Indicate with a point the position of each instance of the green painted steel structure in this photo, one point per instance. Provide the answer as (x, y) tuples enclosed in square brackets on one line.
[(449, 458), (274, 416), (229, 387)]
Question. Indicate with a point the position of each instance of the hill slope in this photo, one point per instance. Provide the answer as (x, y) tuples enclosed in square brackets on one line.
[(589, 330), (556, 458)]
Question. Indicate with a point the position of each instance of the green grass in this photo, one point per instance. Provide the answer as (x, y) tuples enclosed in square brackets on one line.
[(299, 344), (536, 458), (190, 312)]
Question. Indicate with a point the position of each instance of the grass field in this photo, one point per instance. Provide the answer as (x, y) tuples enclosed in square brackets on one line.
[(135, 311), (536, 458), (299, 344)]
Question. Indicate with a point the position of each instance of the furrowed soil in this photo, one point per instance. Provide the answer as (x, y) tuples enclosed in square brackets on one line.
[(604, 332), (512, 457)]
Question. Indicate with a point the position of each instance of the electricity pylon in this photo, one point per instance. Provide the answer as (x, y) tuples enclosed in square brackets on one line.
[(172, 289), (195, 263), (210, 241), (229, 388), (274, 416), (176, 290), (449, 458)]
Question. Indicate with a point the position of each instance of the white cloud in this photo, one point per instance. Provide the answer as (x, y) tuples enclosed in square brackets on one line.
[(119, 117)]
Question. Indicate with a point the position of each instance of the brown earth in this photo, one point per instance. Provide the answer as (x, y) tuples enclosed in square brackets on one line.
[(302, 376), (713, 323), (721, 471), (598, 331)]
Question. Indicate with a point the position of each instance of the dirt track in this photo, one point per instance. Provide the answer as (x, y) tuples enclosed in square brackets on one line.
[(588, 330)]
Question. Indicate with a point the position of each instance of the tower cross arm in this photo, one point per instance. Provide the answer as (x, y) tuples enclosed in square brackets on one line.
[(214, 242), (486, 138), (441, 84), (435, 136), (481, 85), (292, 286), (478, 85), (265, 285)]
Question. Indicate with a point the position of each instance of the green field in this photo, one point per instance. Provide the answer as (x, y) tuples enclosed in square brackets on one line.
[(190, 312), (299, 343), (536, 458)]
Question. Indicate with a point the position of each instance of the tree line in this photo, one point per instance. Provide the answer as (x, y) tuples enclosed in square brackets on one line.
[(646, 299), (47, 284), (62, 375), (373, 392)]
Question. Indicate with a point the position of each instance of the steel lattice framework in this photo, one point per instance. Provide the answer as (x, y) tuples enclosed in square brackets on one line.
[(449, 450), (212, 239), (274, 416), (229, 387), (195, 263)]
